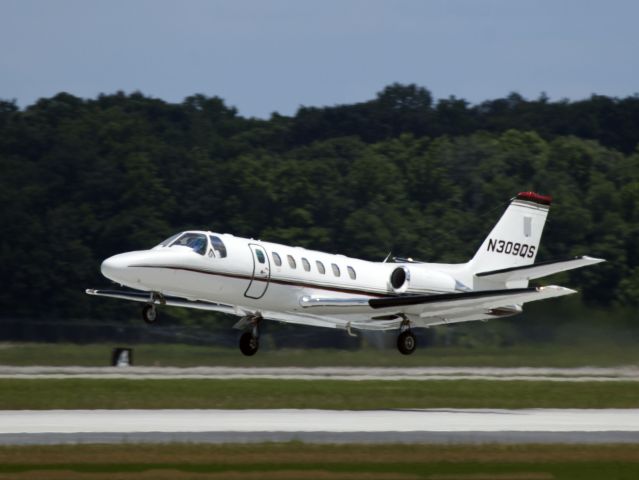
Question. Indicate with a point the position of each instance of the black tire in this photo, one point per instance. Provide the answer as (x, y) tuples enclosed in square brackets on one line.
[(149, 313), (406, 342), (249, 344)]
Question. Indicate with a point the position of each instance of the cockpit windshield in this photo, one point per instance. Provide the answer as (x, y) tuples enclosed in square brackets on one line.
[(195, 241), (198, 242), (168, 241)]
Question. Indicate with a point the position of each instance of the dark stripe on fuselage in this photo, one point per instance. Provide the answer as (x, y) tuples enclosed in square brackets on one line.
[(271, 280)]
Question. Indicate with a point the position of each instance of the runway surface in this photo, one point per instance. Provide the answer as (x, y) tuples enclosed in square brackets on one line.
[(582, 374), (321, 426)]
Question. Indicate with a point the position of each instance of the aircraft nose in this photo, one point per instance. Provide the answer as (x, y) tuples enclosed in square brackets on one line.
[(113, 267)]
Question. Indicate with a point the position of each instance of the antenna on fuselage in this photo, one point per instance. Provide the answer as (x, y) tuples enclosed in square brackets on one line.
[(387, 256)]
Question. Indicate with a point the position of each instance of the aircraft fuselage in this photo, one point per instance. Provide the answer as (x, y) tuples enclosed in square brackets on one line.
[(262, 276)]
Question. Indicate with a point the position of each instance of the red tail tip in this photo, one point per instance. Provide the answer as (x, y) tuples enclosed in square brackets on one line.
[(535, 197)]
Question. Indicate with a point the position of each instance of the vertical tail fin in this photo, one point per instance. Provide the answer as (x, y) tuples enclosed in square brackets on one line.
[(514, 241)]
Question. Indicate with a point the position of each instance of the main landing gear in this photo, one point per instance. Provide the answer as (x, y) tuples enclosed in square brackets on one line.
[(249, 340), (249, 344), (406, 340)]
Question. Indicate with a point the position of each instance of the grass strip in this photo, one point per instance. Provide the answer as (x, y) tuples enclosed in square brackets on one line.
[(297, 460), (180, 355), (16, 394)]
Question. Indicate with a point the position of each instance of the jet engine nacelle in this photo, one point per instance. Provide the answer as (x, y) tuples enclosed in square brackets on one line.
[(420, 280)]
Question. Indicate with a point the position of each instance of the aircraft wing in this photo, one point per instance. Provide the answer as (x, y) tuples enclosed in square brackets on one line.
[(433, 309), (145, 297), (429, 309), (453, 304), (439, 303)]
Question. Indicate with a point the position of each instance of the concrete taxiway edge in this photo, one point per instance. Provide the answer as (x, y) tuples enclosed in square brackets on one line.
[(505, 437), (321, 426), (582, 374)]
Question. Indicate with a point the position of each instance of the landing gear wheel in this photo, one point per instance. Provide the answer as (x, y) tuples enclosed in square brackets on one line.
[(149, 313), (406, 342), (249, 344)]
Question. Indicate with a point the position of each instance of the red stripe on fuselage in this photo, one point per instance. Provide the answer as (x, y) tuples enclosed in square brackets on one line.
[(272, 280)]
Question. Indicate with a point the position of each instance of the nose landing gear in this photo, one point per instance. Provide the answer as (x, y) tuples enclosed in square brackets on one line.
[(149, 313)]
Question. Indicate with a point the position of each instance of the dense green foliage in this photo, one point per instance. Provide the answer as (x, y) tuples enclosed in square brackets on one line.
[(558, 354), (84, 179)]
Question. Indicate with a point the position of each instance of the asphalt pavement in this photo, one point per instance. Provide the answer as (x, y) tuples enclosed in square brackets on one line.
[(581, 374)]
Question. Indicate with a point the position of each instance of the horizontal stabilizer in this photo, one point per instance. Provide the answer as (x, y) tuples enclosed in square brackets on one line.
[(538, 270)]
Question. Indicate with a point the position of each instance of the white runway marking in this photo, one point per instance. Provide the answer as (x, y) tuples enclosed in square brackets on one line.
[(291, 420), (436, 425), (582, 374)]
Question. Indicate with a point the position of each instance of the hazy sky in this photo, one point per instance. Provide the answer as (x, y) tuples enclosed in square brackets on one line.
[(275, 55)]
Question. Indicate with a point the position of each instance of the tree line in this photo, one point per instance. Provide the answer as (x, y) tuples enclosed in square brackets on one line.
[(83, 179)]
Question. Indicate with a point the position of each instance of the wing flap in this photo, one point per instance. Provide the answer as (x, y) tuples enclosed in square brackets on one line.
[(315, 301), (306, 320)]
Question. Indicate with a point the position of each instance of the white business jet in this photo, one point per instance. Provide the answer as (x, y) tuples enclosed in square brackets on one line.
[(259, 280)]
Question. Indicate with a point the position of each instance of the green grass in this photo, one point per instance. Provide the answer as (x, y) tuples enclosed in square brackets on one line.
[(296, 460), (189, 355), (328, 394)]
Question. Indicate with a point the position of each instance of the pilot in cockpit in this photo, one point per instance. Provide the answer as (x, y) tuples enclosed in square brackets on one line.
[(195, 241), (198, 244)]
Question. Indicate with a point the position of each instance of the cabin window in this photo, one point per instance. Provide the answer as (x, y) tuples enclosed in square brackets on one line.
[(307, 266), (291, 261), (351, 273), (276, 259), (320, 267), (260, 256), (218, 246), (195, 241), (335, 270)]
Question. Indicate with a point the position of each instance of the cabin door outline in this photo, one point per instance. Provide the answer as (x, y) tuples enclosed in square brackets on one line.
[(261, 275)]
